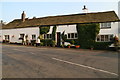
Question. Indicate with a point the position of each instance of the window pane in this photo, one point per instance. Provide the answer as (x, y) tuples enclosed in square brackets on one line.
[(6, 37), (33, 36), (21, 35), (50, 35), (102, 25), (68, 35), (47, 36), (102, 37), (105, 24), (76, 35), (72, 35), (109, 24), (44, 36), (111, 37), (106, 38)]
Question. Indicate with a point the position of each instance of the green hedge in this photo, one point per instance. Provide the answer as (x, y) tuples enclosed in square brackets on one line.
[(48, 42), (87, 34), (102, 45), (44, 29)]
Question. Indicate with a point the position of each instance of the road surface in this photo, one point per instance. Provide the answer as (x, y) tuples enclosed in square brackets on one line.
[(44, 62)]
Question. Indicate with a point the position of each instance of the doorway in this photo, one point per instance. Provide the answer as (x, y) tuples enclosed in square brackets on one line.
[(58, 39)]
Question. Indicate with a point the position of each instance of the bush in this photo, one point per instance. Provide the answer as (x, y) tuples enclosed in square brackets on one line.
[(44, 29), (46, 42), (41, 44), (52, 43), (87, 34), (102, 45)]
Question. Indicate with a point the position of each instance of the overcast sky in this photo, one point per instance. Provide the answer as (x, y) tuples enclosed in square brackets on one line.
[(12, 10)]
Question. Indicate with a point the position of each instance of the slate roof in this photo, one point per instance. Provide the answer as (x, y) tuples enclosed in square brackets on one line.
[(97, 17)]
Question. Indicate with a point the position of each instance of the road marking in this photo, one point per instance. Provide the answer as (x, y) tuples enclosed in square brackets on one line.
[(85, 66), (31, 52), (19, 50)]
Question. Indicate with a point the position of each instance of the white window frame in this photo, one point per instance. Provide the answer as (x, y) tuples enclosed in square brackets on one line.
[(34, 38), (104, 40), (71, 36), (105, 25), (23, 35), (47, 36), (7, 37)]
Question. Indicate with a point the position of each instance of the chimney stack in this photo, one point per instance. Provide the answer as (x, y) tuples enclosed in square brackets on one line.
[(23, 16), (85, 10)]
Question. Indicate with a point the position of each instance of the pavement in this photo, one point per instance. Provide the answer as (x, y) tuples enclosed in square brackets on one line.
[(45, 62)]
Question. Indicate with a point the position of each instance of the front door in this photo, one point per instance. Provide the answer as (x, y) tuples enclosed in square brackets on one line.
[(58, 39)]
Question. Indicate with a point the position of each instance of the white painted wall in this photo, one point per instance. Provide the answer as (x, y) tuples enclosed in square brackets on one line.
[(113, 30), (16, 32), (1, 35), (66, 28)]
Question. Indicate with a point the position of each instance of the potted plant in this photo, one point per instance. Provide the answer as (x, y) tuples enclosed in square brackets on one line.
[(69, 45), (91, 47), (77, 46)]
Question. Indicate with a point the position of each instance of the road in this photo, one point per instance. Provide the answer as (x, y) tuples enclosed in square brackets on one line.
[(44, 62)]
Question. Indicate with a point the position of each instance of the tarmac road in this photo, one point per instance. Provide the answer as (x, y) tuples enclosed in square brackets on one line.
[(44, 62)]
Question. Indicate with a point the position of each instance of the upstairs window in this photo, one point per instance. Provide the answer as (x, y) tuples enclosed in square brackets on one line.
[(72, 36), (105, 25)]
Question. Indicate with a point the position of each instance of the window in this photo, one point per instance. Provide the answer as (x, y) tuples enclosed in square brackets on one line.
[(68, 35), (76, 35), (47, 36), (104, 38), (72, 36), (7, 37), (33, 37), (105, 25), (22, 36)]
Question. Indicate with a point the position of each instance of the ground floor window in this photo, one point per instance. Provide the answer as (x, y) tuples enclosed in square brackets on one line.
[(104, 38), (47, 36), (33, 37), (72, 36), (22, 36), (7, 37)]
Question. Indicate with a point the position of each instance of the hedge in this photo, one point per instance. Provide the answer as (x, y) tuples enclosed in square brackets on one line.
[(102, 45)]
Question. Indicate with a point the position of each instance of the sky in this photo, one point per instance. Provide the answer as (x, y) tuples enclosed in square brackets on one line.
[(11, 10)]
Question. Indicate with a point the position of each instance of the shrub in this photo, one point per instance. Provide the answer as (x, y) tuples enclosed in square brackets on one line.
[(52, 43), (72, 41), (46, 42), (41, 44), (102, 45), (87, 34), (44, 29)]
